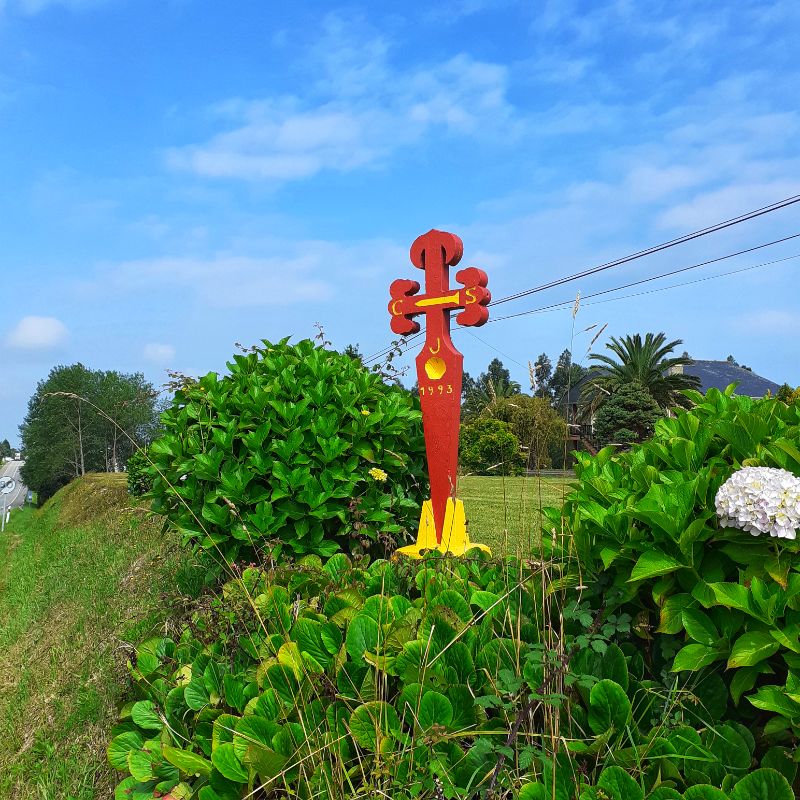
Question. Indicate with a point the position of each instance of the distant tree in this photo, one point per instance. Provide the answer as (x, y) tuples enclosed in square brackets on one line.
[(731, 360), (6, 450), (629, 415), (543, 372), (539, 428), (567, 375), (488, 447), (81, 420), (490, 386), (468, 386), (788, 395), (644, 362), (354, 353)]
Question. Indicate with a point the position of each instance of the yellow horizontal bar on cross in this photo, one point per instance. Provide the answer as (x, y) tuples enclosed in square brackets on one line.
[(437, 301)]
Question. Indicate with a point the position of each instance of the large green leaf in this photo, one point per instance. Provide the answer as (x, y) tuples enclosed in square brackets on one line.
[(751, 648), (532, 791), (704, 791), (187, 762), (265, 761), (253, 731), (671, 616), (782, 760), (484, 600), (619, 785), (653, 563), (142, 764), (227, 762), (763, 784), (132, 789), (224, 729), (195, 695), (734, 595), (145, 715), (664, 793), (120, 746), (693, 657), (281, 679), (699, 626), (362, 636), (773, 698), (609, 707), (337, 566), (372, 721), (434, 709)]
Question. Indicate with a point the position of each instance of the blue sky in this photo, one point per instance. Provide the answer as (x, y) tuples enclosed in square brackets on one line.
[(178, 176)]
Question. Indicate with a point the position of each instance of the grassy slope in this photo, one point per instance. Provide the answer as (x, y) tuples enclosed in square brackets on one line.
[(86, 574), (505, 513), (77, 579)]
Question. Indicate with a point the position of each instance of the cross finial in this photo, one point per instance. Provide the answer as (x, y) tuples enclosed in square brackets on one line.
[(440, 365)]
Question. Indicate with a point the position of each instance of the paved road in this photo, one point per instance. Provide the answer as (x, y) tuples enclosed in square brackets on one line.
[(17, 497)]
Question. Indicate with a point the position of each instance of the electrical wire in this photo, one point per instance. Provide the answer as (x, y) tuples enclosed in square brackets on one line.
[(689, 283), (403, 345), (688, 237), (564, 304), (660, 276)]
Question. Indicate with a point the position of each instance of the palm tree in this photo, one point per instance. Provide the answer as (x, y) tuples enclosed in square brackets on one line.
[(644, 362)]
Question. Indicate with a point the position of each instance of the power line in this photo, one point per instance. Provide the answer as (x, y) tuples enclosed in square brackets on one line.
[(403, 345), (567, 303), (654, 249), (571, 301), (659, 277), (696, 280), (398, 344)]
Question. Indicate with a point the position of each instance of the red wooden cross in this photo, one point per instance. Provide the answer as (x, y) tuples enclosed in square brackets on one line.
[(439, 364)]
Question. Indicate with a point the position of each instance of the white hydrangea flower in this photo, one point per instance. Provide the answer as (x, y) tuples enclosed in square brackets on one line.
[(760, 500)]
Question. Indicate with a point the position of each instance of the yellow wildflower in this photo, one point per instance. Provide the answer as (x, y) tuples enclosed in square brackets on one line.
[(378, 474), (365, 412)]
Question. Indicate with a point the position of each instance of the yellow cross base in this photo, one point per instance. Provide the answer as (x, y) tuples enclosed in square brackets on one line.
[(455, 539)]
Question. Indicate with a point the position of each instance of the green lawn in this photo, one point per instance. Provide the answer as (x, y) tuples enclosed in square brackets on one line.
[(505, 513), (78, 579)]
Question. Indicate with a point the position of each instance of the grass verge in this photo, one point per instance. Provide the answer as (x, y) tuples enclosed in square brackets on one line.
[(505, 513), (78, 579)]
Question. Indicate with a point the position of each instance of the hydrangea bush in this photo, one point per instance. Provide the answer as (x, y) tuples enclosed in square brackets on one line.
[(296, 444), (760, 500), (709, 600)]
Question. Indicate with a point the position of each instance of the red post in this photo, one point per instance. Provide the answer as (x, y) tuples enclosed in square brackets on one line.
[(439, 364)]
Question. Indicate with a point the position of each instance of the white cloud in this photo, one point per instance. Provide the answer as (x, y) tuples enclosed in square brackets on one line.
[(358, 110), (709, 207), (37, 334), (770, 322), (227, 281), (159, 353)]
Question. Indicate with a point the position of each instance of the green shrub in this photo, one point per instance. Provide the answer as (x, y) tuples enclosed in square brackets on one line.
[(439, 679), (297, 444), (716, 605), (628, 416), (488, 447), (539, 428), (140, 480)]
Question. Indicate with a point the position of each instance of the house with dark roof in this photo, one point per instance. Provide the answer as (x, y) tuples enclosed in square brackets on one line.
[(721, 374), (711, 374)]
